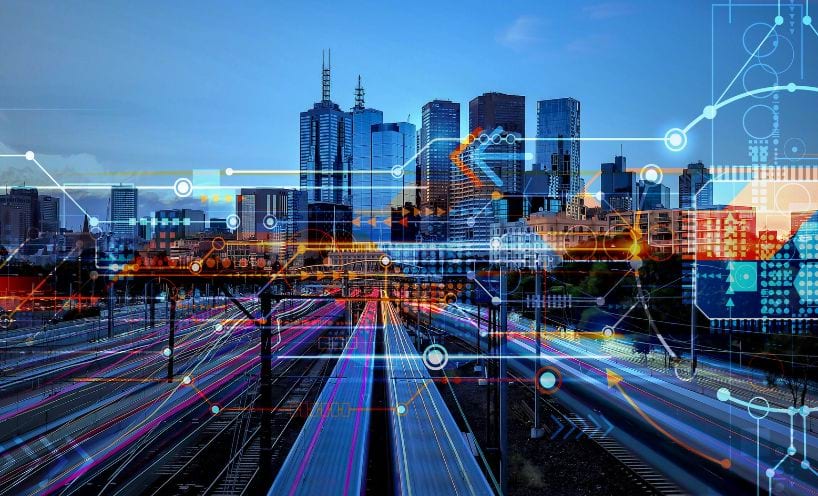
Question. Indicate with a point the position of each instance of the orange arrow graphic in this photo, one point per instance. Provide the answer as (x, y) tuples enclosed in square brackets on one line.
[(356, 221), (613, 381)]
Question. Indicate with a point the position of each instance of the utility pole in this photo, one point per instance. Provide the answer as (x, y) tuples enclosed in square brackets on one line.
[(266, 397), (537, 431), (172, 297), (503, 379), (110, 309)]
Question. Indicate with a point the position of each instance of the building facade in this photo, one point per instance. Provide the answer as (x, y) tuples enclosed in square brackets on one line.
[(439, 137), (124, 202), (695, 187), (558, 150)]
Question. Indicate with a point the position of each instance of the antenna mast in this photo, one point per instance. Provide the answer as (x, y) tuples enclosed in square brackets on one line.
[(325, 76)]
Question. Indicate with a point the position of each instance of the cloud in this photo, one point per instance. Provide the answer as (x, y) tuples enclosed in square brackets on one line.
[(525, 30), (607, 10), (588, 44)]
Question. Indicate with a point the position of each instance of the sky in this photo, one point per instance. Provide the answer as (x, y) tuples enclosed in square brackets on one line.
[(147, 91)]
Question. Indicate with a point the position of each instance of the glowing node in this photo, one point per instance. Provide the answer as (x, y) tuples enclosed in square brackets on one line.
[(791, 450), (770, 473), (548, 380), (29, 155), (186, 380), (166, 352), (215, 409), (758, 404), (791, 87), (805, 464), (385, 260), (218, 327), (723, 394), (470, 222), (807, 20), (470, 275), (183, 187), (115, 267), (496, 195), (229, 171), (435, 357), (93, 221), (196, 267), (270, 221), (607, 331), (397, 172), (510, 139), (495, 300), (232, 221), (600, 301), (709, 112), (401, 409), (495, 243), (804, 411), (675, 140), (779, 20), (598, 196), (651, 175)]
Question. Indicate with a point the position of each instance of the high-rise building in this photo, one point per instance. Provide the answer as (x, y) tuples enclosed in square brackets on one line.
[(49, 214), (26, 201), (439, 137), (619, 191), (695, 182), (326, 149), (363, 119), (476, 205), (13, 226), (558, 150), (124, 200), (392, 143)]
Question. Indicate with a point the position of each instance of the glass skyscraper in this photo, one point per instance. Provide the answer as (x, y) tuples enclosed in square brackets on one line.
[(363, 119), (393, 143), (619, 192), (439, 137), (557, 150), (695, 182)]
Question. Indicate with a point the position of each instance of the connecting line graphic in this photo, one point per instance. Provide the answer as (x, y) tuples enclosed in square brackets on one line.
[(615, 379), (759, 408)]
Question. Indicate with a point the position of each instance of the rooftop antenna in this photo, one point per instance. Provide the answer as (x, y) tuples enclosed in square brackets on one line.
[(359, 95), (325, 76), (621, 150)]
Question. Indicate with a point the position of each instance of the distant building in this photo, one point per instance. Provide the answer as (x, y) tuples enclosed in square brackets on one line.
[(13, 225), (329, 224), (275, 215), (695, 182), (558, 150), (218, 227), (618, 186), (26, 200), (439, 137), (49, 214), (167, 228), (652, 195), (193, 222), (124, 202)]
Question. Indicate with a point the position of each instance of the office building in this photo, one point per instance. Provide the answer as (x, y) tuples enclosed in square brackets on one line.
[(695, 184), (124, 201), (494, 197), (618, 186), (558, 151), (193, 222), (167, 228), (13, 225), (25, 200), (363, 119), (274, 215), (439, 137)]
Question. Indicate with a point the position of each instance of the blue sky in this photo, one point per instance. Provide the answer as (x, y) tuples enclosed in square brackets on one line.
[(173, 86)]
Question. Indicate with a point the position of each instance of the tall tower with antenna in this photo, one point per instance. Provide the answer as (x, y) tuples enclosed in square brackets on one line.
[(359, 95)]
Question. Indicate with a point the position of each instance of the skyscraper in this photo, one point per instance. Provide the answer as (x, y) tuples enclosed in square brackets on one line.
[(695, 182), (558, 150), (124, 200), (619, 191), (277, 215), (326, 149), (363, 119), (501, 118), (25, 200), (439, 137), (193, 222)]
